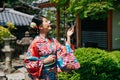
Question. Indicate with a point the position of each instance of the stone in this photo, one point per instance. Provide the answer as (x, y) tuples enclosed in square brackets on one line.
[(15, 76), (23, 70), (24, 44), (8, 53), (2, 76), (22, 57)]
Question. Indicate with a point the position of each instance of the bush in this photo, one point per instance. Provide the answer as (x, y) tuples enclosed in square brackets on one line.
[(5, 32), (96, 64), (115, 55)]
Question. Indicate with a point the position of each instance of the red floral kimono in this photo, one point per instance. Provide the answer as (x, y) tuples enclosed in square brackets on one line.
[(39, 49)]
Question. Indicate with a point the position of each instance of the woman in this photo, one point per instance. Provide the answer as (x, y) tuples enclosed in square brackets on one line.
[(43, 53)]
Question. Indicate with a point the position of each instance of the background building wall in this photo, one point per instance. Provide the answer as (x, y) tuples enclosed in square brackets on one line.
[(116, 30)]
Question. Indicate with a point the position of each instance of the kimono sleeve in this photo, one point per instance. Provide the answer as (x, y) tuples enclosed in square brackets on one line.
[(61, 49), (66, 59), (32, 62)]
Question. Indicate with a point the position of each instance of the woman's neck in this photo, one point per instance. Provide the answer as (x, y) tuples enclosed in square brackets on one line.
[(43, 35)]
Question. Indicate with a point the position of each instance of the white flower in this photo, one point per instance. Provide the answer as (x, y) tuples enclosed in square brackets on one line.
[(33, 25)]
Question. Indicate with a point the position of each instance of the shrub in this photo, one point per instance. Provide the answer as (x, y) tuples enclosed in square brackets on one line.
[(96, 64), (6, 32), (115, 55)]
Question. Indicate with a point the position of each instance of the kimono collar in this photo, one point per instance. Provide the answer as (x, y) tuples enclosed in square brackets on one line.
[(41, 38)]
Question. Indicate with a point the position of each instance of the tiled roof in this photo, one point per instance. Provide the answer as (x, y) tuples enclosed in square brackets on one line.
[(16, 17)]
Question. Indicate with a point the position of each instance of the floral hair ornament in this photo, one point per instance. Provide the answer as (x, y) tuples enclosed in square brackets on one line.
[(33, 25)]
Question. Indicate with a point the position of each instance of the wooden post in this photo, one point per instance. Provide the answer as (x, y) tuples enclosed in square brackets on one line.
[(78, 32), (109, 29), (45, 5), (58, 24)]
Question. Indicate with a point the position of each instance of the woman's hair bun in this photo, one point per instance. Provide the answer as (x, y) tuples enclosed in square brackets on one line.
[(37, 20)]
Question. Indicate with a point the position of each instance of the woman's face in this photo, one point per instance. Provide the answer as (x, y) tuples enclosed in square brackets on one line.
[(45, 25)]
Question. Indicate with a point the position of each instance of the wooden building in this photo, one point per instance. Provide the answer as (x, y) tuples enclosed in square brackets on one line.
[(19, 19), (100, 33)]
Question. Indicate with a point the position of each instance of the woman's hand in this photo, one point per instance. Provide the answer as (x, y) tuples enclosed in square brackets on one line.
[(70, 31), (49, 59), (69, 66)]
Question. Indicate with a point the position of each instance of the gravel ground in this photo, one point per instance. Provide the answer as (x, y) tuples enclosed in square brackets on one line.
[(18, 71)]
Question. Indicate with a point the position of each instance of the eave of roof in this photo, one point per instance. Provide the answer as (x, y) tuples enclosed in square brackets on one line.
[(16, 17)]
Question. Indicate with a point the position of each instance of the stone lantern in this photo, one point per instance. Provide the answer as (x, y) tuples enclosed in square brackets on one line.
[(24, 43), (8, 53)]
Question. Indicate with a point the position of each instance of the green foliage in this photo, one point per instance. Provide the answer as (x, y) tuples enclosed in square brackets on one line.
[(59, 2), (10, 26), (52, 33), (85, 8), (95, 64), (116, 56), (73, 75), (116, 4), (5, 32), (11, 3), (94, 9)]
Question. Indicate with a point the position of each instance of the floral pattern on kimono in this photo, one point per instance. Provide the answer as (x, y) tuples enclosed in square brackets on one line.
[(39, 49)]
